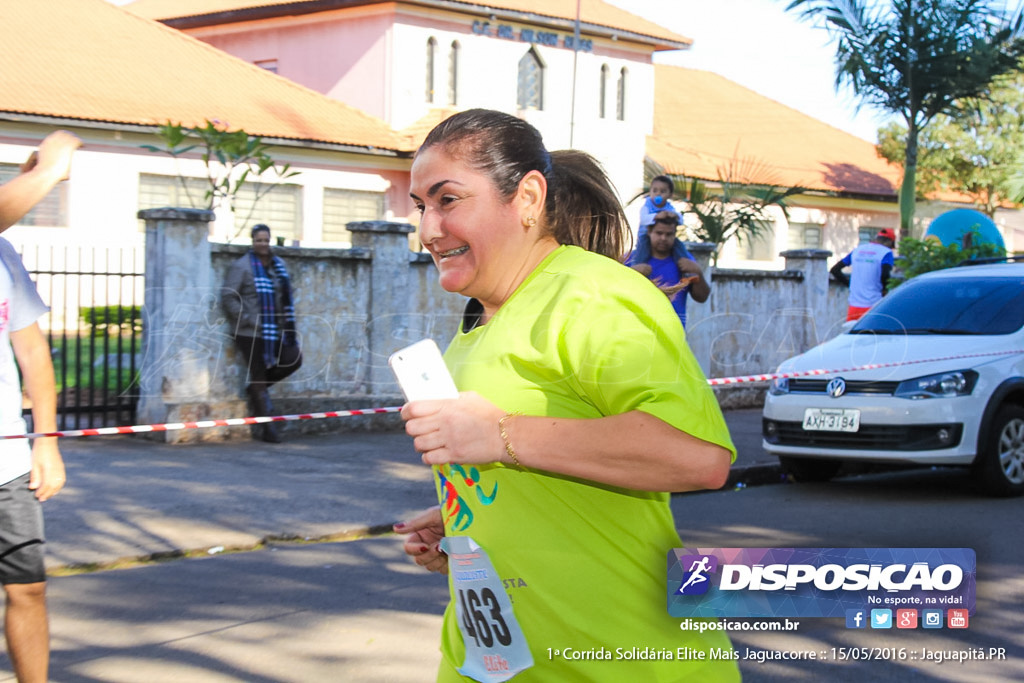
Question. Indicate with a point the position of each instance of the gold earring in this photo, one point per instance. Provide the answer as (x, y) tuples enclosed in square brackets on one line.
[(530, 221)]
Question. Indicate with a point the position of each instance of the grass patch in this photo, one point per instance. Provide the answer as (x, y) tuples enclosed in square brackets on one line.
[(104, 363)]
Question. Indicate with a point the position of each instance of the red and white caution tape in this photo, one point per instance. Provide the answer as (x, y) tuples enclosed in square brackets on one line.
[(237, 421), (870, 366), (201, 424)]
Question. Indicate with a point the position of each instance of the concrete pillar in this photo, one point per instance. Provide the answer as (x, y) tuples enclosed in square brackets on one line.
[(813, 304), (178, 365), (391, 324), (699, 315), (702, 253)]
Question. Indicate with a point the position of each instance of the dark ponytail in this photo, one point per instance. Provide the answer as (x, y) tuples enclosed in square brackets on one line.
[(582, 208)]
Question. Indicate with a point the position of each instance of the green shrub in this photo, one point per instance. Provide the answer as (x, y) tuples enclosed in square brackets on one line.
[(110, 320), (95, 363), (923, 256)]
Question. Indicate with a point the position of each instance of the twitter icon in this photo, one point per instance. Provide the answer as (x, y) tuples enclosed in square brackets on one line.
[(881, 618)]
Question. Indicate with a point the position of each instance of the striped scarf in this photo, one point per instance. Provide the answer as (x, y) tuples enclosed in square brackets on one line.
[(275, 325)]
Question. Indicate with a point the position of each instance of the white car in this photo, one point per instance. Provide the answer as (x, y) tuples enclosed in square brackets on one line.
[(946, 386)]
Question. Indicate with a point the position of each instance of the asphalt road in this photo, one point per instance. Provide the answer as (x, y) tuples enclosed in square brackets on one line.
[(910, 509), (254, 589)]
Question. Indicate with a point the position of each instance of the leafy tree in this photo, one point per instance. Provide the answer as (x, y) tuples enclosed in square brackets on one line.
[(974, 151), (916, 58), (923, 256), (230, 157)]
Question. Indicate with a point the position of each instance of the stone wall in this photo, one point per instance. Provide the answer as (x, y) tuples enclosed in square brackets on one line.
[(354, 307), (756, 319)]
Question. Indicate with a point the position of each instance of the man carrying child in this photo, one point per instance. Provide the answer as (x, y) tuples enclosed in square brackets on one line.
[(676, 276)]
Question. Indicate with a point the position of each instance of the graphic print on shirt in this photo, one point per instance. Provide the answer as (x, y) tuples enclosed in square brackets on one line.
[(455, 509), (5, 314)]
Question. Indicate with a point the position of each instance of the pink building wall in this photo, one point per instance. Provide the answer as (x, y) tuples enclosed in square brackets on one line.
[(398, 199), (341, 55)]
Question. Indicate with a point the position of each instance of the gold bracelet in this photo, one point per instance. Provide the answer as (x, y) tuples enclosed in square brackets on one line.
[(504, 437)]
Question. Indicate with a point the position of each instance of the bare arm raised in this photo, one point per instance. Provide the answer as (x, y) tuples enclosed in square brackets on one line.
[(46, 167)]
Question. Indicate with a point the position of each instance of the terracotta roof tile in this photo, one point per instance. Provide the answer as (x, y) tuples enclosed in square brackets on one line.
[(703, 121), (90, 60), (418, 131), (170, 9), (594, 12)]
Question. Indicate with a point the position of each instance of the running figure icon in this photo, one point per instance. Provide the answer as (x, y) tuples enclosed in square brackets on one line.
[(697, 570)]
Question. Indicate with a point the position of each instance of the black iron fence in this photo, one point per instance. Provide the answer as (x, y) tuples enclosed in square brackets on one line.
[(94, 328)]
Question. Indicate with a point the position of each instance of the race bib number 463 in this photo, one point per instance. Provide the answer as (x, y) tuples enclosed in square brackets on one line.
[(495, 647)]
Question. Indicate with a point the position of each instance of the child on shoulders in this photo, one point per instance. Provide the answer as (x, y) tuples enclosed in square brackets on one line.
[(657, 205)]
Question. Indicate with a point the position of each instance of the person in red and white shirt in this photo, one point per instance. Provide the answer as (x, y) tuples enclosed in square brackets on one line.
[(870, 266)]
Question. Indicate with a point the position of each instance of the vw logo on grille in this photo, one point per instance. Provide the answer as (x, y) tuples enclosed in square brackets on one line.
[(836, 387)]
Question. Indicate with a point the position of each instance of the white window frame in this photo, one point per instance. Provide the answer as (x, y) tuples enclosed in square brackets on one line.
[(51, 211), (453, 73), (279, 207), (799, 233), (523, 99), (431, 56), (762, 247), (602, 110), (336, 216), (620, 95)]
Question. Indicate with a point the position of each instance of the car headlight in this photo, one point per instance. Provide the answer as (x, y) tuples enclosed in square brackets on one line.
[(779, 386), (941, 385)]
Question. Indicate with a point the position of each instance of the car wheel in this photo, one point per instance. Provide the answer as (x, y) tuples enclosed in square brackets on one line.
[(999, 468), (809, 469)]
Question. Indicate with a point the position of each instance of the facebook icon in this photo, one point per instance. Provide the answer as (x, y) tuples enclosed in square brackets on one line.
[(856, 618)]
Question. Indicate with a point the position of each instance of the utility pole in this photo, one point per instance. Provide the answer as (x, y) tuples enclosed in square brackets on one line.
[(575, 58)]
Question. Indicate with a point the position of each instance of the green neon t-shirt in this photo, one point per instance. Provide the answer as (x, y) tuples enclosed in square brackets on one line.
[(583, 563)]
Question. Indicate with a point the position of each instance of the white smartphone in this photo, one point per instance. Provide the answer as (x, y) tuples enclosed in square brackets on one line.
[(421, 372)]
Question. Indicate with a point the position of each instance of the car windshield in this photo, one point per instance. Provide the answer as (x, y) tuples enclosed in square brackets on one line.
[(990, 305)]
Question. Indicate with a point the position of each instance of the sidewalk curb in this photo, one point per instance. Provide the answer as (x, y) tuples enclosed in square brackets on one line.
[(739, 477), (352, 533)]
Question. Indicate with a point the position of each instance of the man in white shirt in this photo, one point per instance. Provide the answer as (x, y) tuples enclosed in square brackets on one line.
[(870, 266), (29, 474)]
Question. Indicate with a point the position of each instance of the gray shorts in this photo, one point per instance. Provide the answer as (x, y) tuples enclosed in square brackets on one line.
[(21, 534)]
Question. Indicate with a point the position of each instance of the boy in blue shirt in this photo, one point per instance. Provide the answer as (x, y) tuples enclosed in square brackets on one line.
[(676, 277)]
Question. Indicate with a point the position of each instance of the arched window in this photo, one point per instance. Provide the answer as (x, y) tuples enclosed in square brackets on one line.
[(431, 51), (603, 103), (531, 81), (620, 97), (453, 74)]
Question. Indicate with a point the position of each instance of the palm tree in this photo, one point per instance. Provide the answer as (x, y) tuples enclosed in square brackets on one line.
[(735, 211), (916, 58), (737, 205)]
